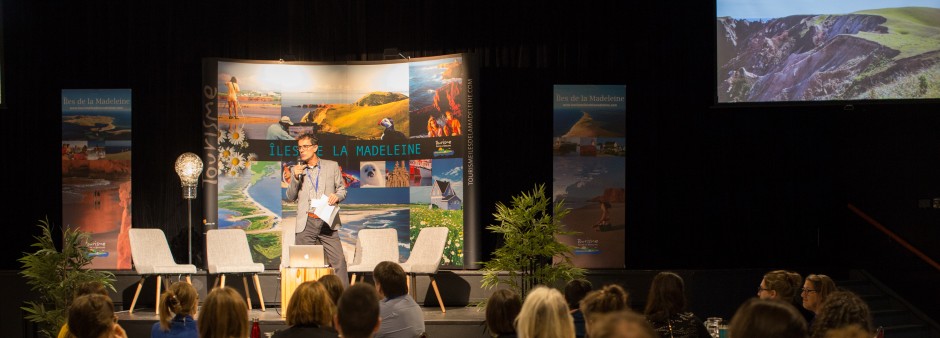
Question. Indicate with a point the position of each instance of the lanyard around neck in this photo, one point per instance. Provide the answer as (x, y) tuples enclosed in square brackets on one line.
[(316, 182)]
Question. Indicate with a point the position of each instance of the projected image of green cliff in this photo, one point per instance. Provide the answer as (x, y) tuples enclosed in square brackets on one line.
[(806, 50)]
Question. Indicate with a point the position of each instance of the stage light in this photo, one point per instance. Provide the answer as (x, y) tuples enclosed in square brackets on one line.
[(189, 167)]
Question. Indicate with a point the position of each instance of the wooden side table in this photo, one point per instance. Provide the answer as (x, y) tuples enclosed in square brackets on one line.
[(292, 277)]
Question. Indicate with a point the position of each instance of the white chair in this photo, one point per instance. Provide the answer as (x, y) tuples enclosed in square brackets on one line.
[(373, 247), (150, 253), (227, 252), (426, 256)]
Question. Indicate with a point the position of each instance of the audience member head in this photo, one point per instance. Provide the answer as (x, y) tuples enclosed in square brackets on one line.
[(841, 309), (310, 305), (851, 331), (501, 310), (666, 297), (333, 285), (357, 313), (92, 316), (780, 285), (815, 290), (390, 279), (88, 288), (621, 324), (610, 298), (765, 318), (575, 291), (224, 314), (544, 314), (180, 299)]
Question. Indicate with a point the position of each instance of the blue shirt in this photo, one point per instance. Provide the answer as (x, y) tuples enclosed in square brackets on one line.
[(401, 318), (182, 326)]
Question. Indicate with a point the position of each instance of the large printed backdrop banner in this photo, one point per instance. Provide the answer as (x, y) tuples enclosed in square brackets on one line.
[(589, 163), (96, 171), (402, 131)]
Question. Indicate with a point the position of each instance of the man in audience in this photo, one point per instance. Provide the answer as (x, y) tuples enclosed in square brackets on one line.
[(575, 291), (357, 315), (401, 316)]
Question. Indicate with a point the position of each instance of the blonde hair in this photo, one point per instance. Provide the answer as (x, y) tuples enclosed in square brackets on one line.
[(787, 284), (180, 299), (609, 298), (224, 314), (310, 304), (544, 314), (621, 324)]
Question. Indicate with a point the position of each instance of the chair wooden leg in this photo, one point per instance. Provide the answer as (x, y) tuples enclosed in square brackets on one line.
[(408, 286), (159, 280), (189, 280), (223, 280), (247, 295), (134, 302), (352, 281), (438, 294), (258, 288)]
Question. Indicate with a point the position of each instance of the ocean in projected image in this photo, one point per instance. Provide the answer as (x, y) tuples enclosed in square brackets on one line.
[(805, 50)]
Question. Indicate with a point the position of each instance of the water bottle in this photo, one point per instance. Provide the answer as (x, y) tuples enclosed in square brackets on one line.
[(255, 328)]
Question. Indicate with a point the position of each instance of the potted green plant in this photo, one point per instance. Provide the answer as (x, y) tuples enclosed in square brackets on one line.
[(531, 253), (54, 275)]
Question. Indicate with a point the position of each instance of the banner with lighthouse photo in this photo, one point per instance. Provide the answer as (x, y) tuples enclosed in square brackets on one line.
[(589, 135), (400, 130)]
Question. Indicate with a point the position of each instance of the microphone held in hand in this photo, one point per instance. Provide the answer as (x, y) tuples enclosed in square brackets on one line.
[(301, 164)]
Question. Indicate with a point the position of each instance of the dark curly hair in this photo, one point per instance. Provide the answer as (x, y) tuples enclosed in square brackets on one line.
[(841, 309)]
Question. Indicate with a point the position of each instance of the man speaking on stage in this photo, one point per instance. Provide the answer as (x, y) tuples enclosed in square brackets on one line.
[(313, 178)]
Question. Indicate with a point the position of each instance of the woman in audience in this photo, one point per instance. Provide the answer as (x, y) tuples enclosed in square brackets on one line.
[(780, 285), (762, 318), (180, 301), (622, 324), (92, 316), (841, 309), (665, 309), (544, 315), (86, 288), (610, 298), (815, 290), (333, 285), (224, 314), (575, 291), (501, 310), (309, 313)]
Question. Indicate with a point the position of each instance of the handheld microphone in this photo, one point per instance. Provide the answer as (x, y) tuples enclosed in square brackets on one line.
[(300, 161)]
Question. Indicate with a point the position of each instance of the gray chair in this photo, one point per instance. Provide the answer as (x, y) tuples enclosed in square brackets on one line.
[(373, 247), (426, 257), (227, 252), (150, 253)]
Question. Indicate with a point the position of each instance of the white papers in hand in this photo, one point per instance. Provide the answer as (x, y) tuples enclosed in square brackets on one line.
[(323, 209)]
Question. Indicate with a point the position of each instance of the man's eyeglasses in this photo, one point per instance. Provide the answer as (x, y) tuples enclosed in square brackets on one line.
[(305, 147), (808, 290), (759, 289)]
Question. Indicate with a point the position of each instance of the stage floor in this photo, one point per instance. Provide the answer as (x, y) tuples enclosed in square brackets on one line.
[(456, 322)]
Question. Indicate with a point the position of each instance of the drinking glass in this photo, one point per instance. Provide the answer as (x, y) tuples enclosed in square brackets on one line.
[(711, 324)]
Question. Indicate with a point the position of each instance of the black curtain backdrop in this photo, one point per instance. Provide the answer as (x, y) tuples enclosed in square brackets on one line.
[(759, 186)]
